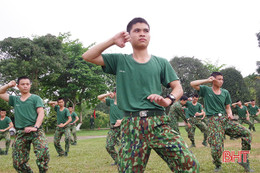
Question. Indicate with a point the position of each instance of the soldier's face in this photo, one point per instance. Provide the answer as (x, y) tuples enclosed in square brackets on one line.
[(3, 113), (24, 85), (61, 103)]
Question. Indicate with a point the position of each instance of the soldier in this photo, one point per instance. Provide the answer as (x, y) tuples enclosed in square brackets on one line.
[(5, 124), (115, 115), (243, 113), (217, 103), (139, 77), (73, 129), (176, 110), (28, 115), (92, 122), (194, 115), (254, 111), (63, 120)]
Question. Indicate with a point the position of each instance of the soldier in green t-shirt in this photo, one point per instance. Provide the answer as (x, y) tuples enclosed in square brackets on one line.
[(28, 117), (74, 119), (254, 111), (217, 102), (194, 116), (139, 77), (63, 120), (243, 114), (176, 111), (115, 116), (5, 124)]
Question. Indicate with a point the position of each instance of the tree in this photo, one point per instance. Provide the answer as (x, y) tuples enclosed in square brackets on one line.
[(253, 84), (213, 67), (235, 84), (37, 59), (80, 81), (189, 69)]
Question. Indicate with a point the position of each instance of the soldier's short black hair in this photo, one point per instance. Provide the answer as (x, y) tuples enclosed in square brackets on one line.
[(215, 74), (23, 77), (134, 21), (184, 98)]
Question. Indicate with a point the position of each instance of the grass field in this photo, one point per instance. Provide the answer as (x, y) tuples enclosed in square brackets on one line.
[(90, 155)]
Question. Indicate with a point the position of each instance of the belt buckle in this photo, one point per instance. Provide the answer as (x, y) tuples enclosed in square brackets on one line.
[(143, 114), (219, 114)]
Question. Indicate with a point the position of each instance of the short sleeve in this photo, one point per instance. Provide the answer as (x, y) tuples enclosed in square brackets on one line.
[(11, 100), (39, 102), (110, 61), (108, 101), (168, 74)]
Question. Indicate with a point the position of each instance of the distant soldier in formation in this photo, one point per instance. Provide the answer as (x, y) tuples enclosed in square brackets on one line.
[(243, 114), (63, 120), (177, 111), (115, 116), (254, 111), (194, 115), (72, 124), (5, 124)]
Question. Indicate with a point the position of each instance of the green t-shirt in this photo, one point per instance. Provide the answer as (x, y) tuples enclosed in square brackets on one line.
[(252, 110), (62, 116), (114, 113), (241, 111), (192, 109), (5, 123), (214, 103), (136, 81), (73, 116), (25, 112)]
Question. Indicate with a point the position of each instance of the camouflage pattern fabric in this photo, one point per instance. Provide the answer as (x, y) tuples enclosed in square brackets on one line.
[(140, 135), (176, 111), (196, 122), (218, 127), (254, 118), (6, 135), (57, 137), (112, 140), (74, 133), (242, 120), (21, 151)]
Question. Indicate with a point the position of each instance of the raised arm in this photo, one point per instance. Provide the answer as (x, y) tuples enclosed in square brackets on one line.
[(93, 55), (3, 89), (53, 103), (234, 105), (102, 97), (196, 84)]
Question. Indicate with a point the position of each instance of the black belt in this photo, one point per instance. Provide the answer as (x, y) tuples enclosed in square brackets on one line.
[(216, 115), (145, 113), (19, 128)]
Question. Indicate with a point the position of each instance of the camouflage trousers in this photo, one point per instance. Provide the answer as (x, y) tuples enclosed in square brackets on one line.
[(243, 120), (174, 124), (141, 135), (6, 135), (218, 127), (57, 138), (21, 151), (195, 122), (73, 133), (112, 140), (252, 119)]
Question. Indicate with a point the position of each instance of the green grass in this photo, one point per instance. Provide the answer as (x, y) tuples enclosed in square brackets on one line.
[(90, 155)]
